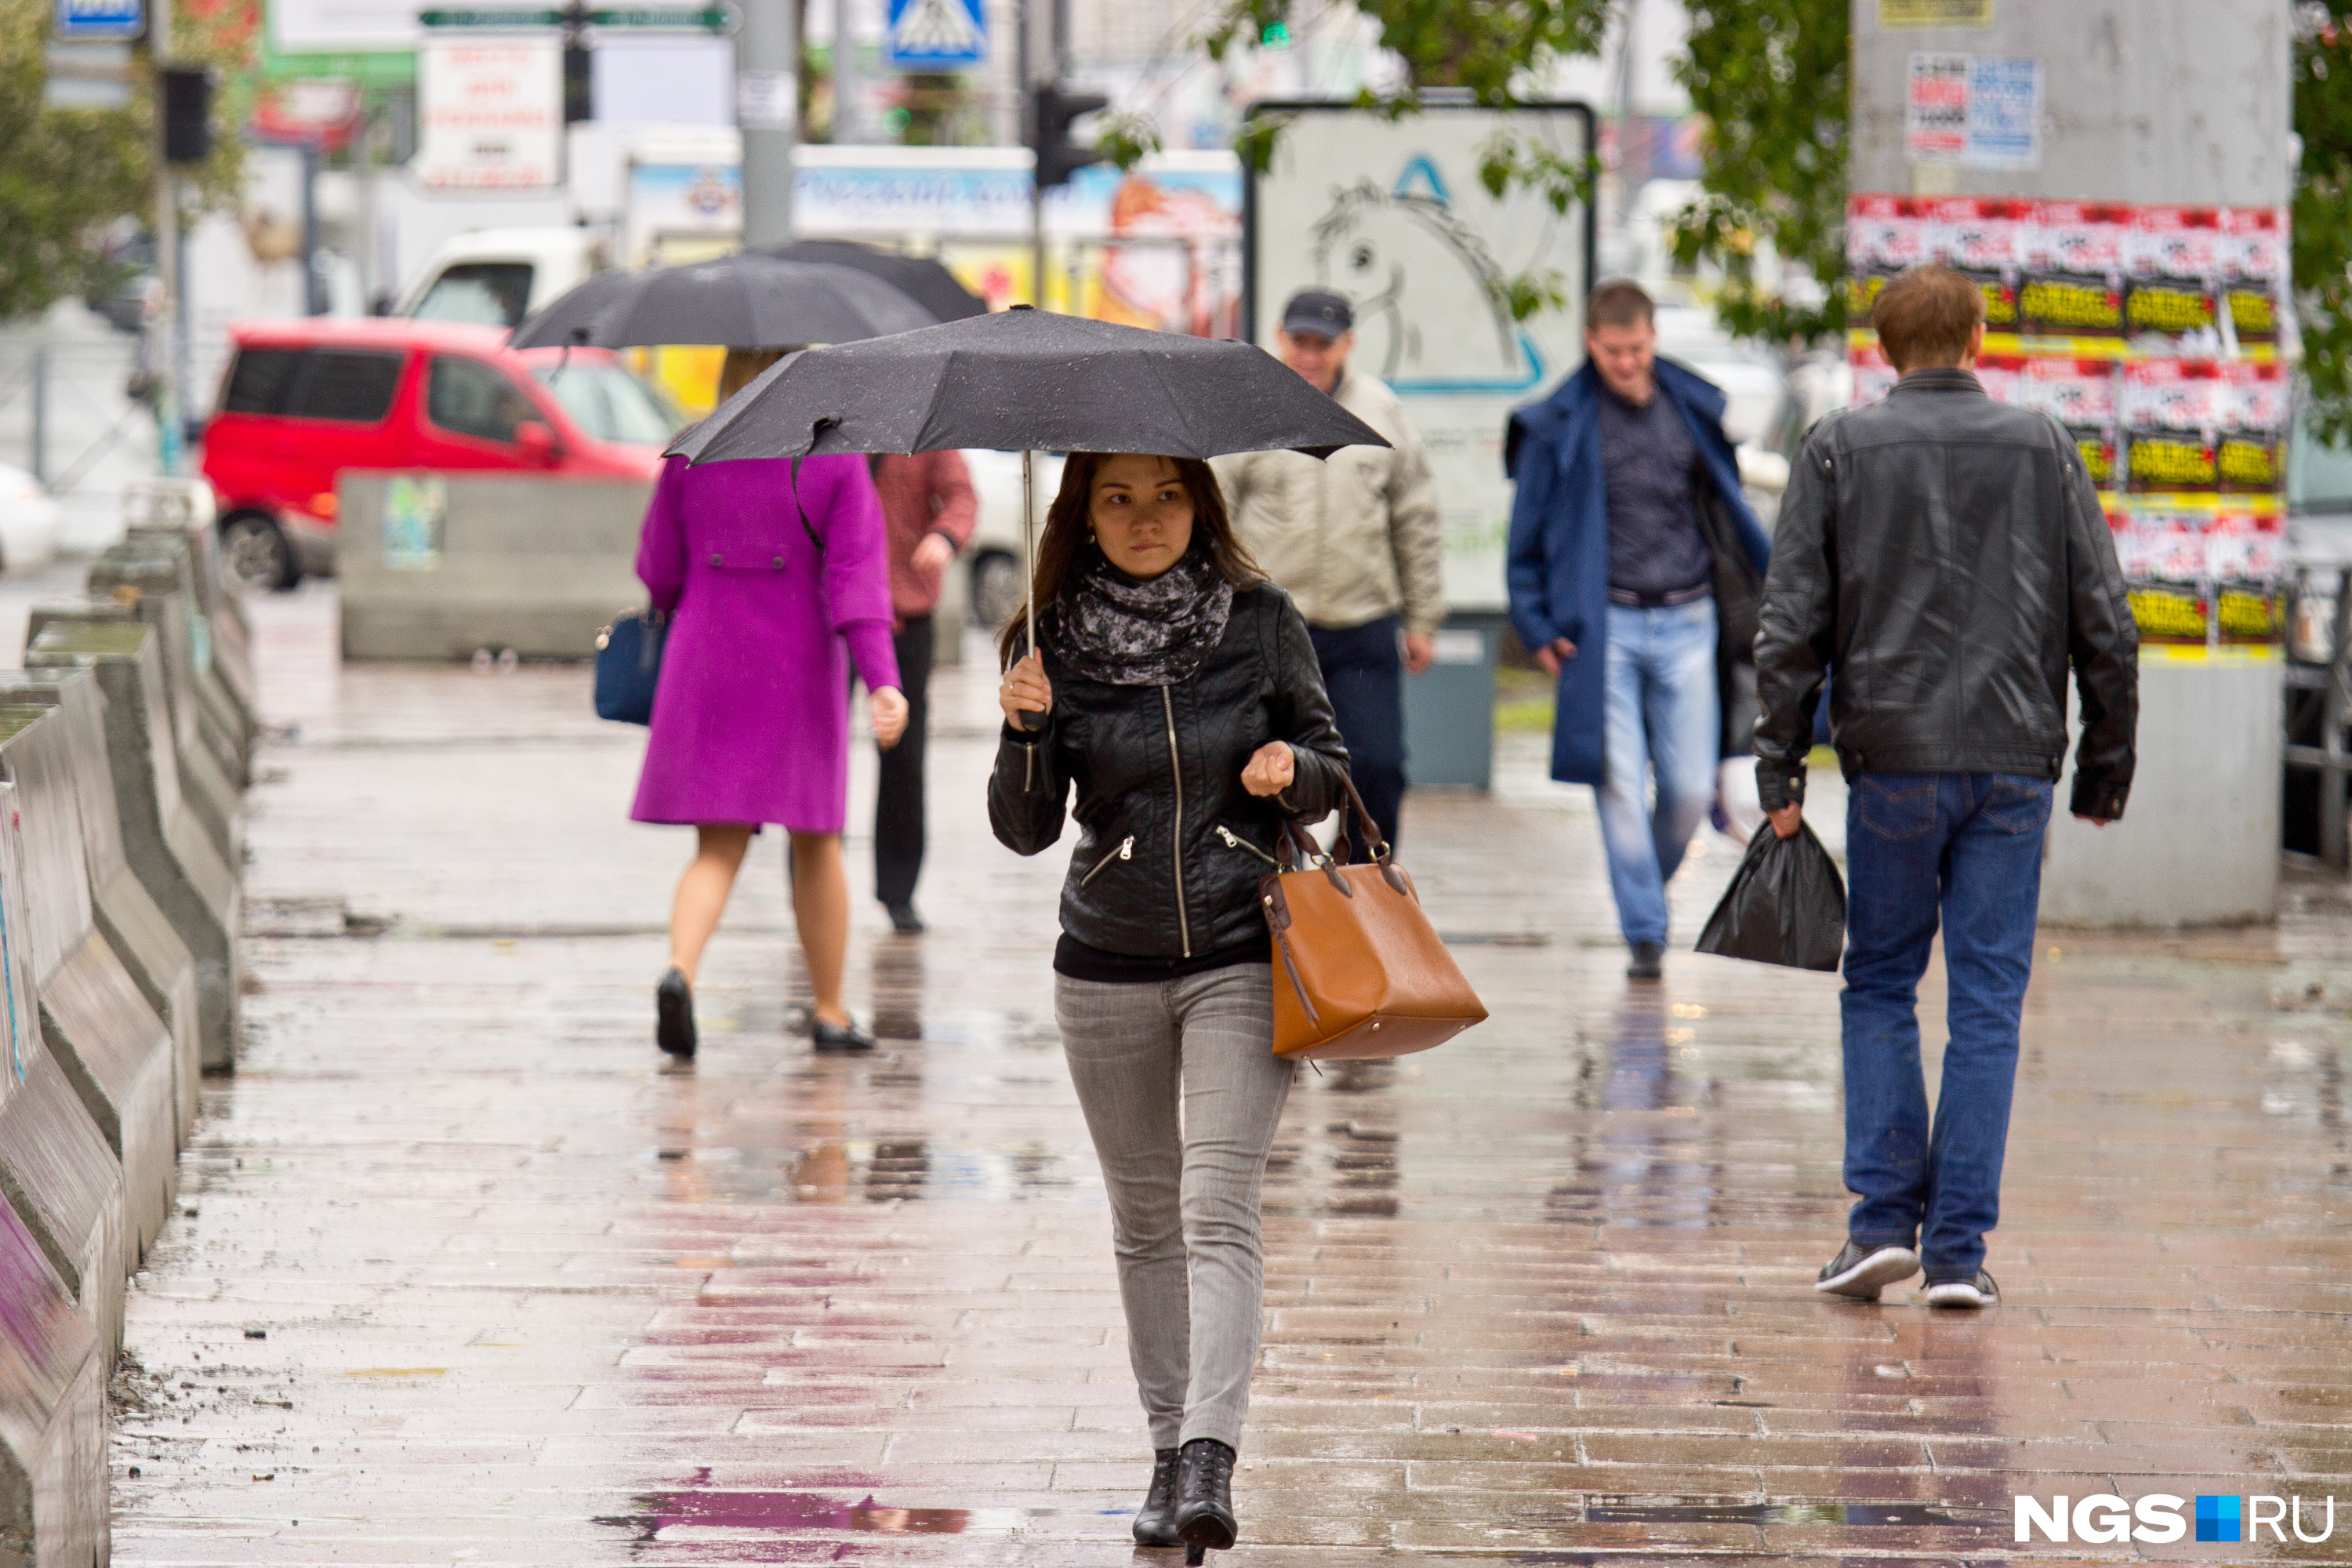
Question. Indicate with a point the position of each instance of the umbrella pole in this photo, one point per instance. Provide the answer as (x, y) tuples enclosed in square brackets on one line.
[(1029, 722), (1028, 545)]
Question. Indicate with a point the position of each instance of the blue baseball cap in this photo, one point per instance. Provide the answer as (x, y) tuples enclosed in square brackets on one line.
[(1318, 312)]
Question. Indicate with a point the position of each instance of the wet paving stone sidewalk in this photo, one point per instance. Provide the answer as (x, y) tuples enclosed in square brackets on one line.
[(465, 1275)]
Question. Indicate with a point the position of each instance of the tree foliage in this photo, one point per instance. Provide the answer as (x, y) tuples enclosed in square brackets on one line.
[(66, 175), (1488, 50), (1772, 77), (2323, 211)]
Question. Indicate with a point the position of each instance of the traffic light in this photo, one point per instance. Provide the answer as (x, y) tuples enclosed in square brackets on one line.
[(187, 93), (1050, 110)]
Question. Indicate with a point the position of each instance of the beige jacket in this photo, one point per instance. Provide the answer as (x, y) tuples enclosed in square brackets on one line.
[(1353, 538)]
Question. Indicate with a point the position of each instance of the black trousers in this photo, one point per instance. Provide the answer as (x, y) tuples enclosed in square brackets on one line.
[(1363, 670), (898, 802)]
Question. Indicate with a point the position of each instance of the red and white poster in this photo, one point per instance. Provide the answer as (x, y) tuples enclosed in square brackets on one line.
[(491, 114)]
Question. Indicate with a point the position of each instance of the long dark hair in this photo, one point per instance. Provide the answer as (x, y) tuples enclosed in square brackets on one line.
[(1066, 541)]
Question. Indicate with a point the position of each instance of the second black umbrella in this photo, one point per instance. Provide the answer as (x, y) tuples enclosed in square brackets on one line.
[(744, 301), (927, 282)]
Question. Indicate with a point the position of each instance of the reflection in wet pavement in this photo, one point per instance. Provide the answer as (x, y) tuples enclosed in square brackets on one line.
[(1540, 1296), (743, 1518)]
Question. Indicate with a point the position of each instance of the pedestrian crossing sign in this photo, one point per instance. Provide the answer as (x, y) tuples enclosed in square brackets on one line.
[(937, 35)]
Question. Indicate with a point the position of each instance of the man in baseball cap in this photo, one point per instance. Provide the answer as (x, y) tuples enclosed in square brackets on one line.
[(1355, 541)]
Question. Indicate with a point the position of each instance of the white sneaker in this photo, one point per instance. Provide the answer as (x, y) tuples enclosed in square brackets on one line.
[(1862, 1272), (1979, 1292)]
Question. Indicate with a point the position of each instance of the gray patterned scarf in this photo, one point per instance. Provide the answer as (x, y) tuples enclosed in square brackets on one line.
[(1107, 626)]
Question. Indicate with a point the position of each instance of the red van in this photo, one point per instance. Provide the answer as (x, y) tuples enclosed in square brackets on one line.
[(304, 400)]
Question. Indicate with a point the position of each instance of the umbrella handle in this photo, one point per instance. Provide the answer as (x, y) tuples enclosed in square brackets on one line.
[(1029, 722)]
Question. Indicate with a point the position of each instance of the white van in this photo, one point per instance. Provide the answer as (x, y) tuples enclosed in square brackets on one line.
[(498, 276)]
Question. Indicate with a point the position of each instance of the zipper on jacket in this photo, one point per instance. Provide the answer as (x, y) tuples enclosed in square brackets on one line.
[(1126, 851), (1176, 839), (1236, 841)]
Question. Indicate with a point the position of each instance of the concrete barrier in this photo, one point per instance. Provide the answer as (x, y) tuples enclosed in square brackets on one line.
[(55, 1171), (125, 912), (434, 566), (216, 802), (114, 1047), (53, 1461), (230, 645), (164, 845), (155, 567)]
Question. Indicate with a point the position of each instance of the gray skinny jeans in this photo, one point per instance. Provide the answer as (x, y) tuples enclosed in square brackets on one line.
[(1183, 1194)]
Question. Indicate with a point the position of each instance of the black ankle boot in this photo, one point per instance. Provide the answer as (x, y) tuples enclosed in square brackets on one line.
[(1204, 1495), (1155, 1521), (674, 1014)]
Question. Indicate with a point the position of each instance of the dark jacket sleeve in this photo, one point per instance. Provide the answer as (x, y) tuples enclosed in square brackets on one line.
[(1302, 716), (1532, 466), (2102, 645), (1028, 792), (1797, 625)]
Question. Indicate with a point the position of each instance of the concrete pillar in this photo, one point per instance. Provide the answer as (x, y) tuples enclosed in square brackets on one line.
[(2153, 102)]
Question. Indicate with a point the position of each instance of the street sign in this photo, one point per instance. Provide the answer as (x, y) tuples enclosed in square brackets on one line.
[(89, 76), (937, 35), (82, 20), (708, 18), (509, 19), (675, 18)]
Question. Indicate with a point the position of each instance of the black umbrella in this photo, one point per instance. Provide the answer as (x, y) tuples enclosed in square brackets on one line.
[(1033, 381), (927, 282), (742, 301), (1022, 380)]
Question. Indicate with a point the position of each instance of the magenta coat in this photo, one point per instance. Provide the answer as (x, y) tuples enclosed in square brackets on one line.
[(752, 715)]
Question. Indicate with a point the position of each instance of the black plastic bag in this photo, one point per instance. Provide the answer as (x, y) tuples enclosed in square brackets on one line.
[(1786, 904)]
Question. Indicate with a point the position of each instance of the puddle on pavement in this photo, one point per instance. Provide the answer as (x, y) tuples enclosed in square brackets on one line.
[(793, 1514)]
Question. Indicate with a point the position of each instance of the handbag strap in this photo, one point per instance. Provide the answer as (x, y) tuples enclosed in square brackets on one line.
[(1374, 844)]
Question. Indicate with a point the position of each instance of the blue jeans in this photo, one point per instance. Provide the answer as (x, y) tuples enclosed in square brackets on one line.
[(1663, 716), (1967, 847), (1363, 673)]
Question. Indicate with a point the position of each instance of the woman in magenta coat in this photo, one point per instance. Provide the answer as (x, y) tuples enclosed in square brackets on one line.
[(750, 719)]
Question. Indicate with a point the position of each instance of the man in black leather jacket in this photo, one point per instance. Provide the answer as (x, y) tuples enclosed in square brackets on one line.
[(1948, 556)]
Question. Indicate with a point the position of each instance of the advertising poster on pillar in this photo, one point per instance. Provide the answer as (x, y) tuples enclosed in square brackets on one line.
[(2152, 334)]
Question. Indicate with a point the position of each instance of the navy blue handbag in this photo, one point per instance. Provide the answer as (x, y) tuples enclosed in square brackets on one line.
[(628, 666)]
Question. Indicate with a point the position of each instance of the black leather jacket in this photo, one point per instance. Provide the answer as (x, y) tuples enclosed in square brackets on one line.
[(1947, 556), (1170, 847)]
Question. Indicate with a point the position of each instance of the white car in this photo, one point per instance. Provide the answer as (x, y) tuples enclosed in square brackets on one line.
[(498, 276), (29, 521), (994, 556)]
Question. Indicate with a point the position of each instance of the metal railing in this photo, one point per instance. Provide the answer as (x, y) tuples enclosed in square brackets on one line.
[(71, 394), (2318, 704)]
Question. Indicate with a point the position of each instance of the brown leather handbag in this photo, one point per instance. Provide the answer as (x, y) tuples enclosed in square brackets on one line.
[(1359, 971)]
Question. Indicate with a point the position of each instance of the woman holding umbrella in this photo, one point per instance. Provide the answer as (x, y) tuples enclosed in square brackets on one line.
[(1179, 692), (767, 568)]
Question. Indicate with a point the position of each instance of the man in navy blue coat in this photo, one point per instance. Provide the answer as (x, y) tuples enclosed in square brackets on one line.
[(1636, 569)]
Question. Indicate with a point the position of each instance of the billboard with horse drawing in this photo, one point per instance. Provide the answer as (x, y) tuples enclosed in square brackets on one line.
[(1392, 215)]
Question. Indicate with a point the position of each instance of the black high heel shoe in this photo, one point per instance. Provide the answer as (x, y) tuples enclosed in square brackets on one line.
[(1204, 1498), (674, 1015), (1155, 1521)]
